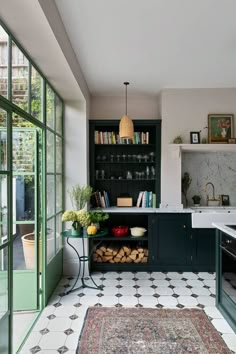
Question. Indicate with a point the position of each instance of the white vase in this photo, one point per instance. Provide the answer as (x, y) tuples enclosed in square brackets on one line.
[(223, 132)]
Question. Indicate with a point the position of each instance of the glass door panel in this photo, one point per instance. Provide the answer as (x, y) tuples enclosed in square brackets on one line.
[(26, 240), (4, 304), (5, 239)]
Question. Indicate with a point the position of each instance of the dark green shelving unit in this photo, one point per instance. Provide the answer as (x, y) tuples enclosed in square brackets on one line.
[(110, 159)]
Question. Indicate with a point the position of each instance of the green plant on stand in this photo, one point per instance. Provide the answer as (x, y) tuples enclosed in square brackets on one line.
[(80, 196), (97, 217), (71, 215)]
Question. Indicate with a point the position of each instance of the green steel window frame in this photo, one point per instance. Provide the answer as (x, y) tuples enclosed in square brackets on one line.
[(11, 108)]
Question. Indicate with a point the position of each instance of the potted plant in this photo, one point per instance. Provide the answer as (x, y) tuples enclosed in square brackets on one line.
[(80, 196), (97, 217), (196, 200), (71, 215)]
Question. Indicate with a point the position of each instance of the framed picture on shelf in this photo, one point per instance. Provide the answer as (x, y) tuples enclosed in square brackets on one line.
[(220, 128), (195, 137), (225, 200)]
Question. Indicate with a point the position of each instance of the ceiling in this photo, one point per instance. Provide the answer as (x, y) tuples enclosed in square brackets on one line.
[(154, 44)]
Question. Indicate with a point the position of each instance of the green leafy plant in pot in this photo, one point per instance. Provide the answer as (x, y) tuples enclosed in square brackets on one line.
[(97, 217), (196, 199)]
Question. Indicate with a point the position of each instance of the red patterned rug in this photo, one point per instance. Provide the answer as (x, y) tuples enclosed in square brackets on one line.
[(109, 330)]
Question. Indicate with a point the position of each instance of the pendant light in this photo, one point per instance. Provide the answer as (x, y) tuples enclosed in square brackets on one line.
[(126, 127)]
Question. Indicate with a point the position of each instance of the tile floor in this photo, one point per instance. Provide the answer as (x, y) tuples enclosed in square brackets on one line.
[(59, 326)]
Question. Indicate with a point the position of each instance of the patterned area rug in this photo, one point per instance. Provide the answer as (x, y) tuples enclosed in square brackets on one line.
[(109, 330)]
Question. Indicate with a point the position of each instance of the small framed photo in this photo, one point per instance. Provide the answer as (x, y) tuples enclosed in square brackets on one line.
[(225, 200), (220, 128), (195, 137), (232, 141)]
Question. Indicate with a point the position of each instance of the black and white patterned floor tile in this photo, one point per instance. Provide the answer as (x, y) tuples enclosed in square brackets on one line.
[(59, 326)]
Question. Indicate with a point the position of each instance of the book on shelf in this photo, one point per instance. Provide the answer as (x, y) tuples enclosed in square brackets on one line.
[(139, 200), (146, 199), (101, 199), (111, 137)]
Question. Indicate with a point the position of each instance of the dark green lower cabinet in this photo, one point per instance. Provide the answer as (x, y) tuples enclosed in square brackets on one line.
[(172, 242), (204, 250)]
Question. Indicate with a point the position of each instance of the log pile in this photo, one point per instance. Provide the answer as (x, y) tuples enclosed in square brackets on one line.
[(114, 253)]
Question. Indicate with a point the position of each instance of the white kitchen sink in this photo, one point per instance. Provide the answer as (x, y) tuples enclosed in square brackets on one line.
[(203, 217)]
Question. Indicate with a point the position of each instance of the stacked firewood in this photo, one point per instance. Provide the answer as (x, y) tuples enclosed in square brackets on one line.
[(113, 253)]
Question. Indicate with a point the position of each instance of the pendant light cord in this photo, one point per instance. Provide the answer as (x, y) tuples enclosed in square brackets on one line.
[(126, 84)]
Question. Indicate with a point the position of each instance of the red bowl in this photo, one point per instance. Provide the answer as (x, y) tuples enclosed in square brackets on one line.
[(120, 231)]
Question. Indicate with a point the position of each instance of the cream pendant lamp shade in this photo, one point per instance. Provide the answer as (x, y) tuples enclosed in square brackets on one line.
[(126, 127)]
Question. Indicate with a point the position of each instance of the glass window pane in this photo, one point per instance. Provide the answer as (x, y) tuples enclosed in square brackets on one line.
[(59, 155), (3, 62), (20, 78), (58, 232), (58, 193), (3, 139), (36, 94), (50, 106), (23, 150), (3, 281), (58, 115), (50, 152), (18, 121), (51, 247), (50, 196), (3, 209)]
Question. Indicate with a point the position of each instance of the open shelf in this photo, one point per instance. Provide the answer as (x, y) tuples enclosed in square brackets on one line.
[(205, 147)]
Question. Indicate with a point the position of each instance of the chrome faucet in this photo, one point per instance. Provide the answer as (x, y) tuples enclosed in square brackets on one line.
[(213, 190)]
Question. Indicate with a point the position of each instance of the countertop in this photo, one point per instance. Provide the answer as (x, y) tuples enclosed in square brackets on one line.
[(171, 209), (147, 210), (223, 227)]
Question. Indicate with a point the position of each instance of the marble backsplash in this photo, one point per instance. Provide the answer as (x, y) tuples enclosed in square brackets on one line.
[(216, 167)]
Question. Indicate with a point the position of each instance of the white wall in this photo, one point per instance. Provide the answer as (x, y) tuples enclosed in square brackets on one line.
[(144, 107), (76, 168), (185, 110)]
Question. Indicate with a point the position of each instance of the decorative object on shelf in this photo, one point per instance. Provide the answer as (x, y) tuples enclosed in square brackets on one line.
[(92, 230), (178, 140), (225, 200), (80, 196), (221, 127), (204, 140), (126, 126), (195, 137), (196, 200), (232, 141), (71, 215), (186, 181), (137, 231), (124, 201), (120, 231), (98, 216)]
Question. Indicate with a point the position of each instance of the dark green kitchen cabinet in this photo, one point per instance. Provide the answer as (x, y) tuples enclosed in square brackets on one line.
[(203, 255), (172, 242)]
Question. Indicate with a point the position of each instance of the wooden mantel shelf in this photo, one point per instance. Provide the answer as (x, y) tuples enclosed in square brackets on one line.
[(204, 147)]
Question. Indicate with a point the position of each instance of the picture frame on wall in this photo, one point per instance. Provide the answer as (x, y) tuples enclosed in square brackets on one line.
[(195, 137), (220, 128)]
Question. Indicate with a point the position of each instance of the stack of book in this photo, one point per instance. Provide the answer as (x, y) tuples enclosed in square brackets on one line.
[(146, 199)]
